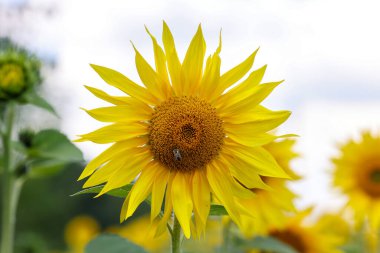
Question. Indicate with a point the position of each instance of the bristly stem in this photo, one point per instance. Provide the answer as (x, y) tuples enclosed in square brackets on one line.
[(176, 236), (10, 189)]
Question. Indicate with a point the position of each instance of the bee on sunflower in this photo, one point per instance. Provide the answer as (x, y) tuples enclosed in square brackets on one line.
[(190, 135)]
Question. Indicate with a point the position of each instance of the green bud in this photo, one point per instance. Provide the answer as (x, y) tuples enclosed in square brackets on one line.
[(12, 79), (26, 136), (19, 71)]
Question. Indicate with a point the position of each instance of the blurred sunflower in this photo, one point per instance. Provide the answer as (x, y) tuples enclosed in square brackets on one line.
[(357, 174), (270, 207), (79, 231), (184, 135), (139, 232), (305, 237)]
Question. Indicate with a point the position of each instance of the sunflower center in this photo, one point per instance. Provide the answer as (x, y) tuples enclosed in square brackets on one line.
[(185, 133), (375, 176), (370, 181), (291, 238)]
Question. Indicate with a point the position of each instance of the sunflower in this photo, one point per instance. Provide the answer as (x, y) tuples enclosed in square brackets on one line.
[(357, 174), (139, 232), (189, 135), (79, 231), (306, 237), (270, 207)]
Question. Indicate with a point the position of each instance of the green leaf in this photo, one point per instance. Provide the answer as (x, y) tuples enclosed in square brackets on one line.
[(265, 244), (45, 167), (217, 210), (33, 98), (19, 147), (51, 144), (120, 192), (112, 244)]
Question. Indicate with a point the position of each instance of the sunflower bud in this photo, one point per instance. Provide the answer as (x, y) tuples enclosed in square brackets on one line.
[(25, 136), (12, 79), (19, 71)]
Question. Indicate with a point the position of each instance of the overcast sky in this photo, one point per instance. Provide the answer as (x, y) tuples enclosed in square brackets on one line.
[(326, 50)]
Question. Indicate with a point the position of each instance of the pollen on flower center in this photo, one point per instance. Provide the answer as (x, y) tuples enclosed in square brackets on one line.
[(185, 133)]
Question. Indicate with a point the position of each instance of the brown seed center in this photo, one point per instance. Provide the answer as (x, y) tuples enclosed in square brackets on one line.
[(185, 133), (369, 181), (291, 238)]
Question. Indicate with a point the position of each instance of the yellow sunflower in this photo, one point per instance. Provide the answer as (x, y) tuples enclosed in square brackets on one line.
[(357, 174), (188, 134), (306, 237), (270, 207), (80, 231), (139, 232)]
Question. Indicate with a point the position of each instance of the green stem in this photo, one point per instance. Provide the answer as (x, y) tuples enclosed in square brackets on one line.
[(10, 188), (176, 236), (227, 237)]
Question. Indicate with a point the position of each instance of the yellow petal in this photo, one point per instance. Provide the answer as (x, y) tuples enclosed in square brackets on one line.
[(102, 174), (121, 82), (211, 76), (236, 188), (158, 191), (106, 97), (253, 140), (257, 113), (159, 58), (258, 158), (197, 227), (192, 65), (201, 196), (249, 129), (244, 89), (245, 175), (142, 187), (124, 208), (115, 132), (125, 174), (174, 65), (121, 113), (109, 153), (221, 188), (243, 103), (161, 226), (236, 73), (182, 202), (150, 78)]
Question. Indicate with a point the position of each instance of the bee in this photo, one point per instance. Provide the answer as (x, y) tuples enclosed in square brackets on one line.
[(177, 154)]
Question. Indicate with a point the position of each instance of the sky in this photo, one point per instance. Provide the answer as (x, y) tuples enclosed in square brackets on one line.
[(326, 50)]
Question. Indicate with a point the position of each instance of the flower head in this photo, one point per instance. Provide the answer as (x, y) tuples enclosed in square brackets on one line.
[(138, 231), (190, 135), (305, 236), (357, 174), (273, 201), (19, 71), (79, 231)]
